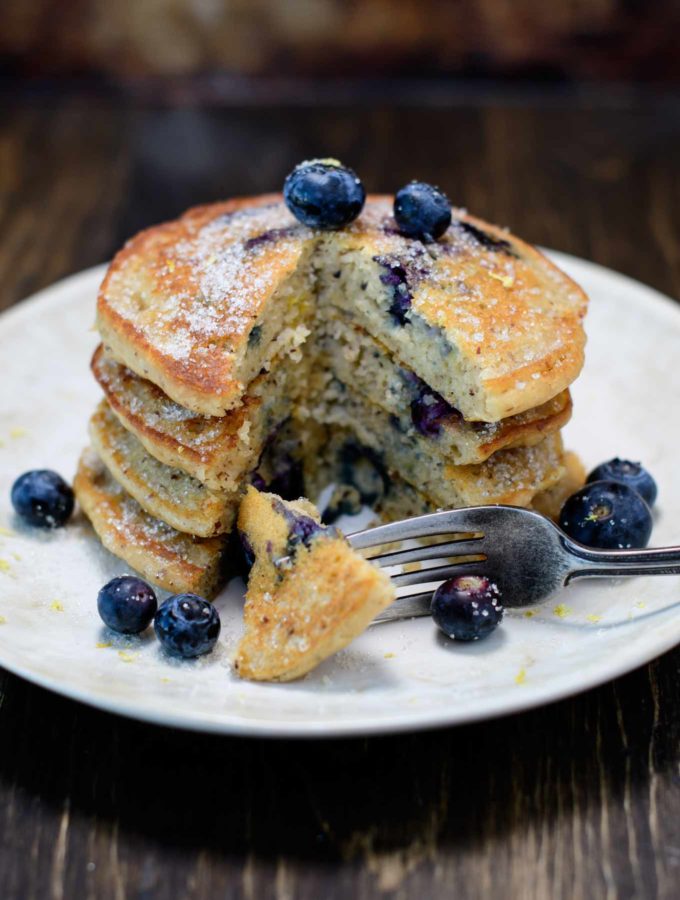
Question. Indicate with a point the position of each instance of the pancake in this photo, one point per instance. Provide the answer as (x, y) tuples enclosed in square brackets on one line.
[(365, 368), (169, 559), (512, 476), (551, 501), (217, 450), (201, 305), (298, 615), (402, 500), (162, 491)]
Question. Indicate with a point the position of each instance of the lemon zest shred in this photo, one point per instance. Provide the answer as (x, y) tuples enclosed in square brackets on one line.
[(562, 611), (506, 280)]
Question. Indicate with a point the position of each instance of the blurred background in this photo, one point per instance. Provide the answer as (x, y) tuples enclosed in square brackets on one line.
[(127, 40), (554, 118)]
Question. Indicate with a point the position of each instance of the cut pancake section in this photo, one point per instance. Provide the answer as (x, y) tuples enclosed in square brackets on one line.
[(512, 476), (367, 368), (402, 501), (428, 426)]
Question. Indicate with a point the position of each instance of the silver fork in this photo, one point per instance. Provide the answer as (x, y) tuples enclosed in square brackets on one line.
[(521, 551)]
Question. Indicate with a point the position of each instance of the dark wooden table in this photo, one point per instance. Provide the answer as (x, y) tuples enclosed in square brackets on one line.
[(578, 799)]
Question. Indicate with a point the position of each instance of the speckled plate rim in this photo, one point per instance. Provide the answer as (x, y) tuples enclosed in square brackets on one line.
[(537, 695)]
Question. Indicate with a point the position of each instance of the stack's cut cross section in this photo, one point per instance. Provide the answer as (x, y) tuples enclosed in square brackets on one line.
[(240, 347)]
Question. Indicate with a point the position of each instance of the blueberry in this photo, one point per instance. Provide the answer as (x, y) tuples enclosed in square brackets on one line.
[(429, 411), (127, 604), (361, 468), (607, 514), (301, 528), (255, 336), (42, 498), (496, 245), (258, 481), (467, 608), (187, 625), (345, 501), (422, 211), (400, 304), (322, 193), (271, 236), (626, 472), (288, 481), (247, 549), (402, 273)]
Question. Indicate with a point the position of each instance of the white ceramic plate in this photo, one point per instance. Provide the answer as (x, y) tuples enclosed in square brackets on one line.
[(397, 676)]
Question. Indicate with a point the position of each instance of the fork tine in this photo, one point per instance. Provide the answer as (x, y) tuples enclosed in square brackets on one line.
[(466, 521), (417, 604), (439, 573), (468, 545), (410, 606)]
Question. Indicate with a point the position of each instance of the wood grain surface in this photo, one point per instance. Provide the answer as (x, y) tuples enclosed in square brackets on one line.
[(578, 799)]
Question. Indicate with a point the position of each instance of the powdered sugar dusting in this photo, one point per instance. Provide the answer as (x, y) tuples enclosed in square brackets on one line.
[(197, 296)]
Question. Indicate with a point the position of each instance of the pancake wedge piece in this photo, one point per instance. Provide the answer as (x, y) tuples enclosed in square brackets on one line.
[(217, 450), (299, 614), (174, 561), (164, 492)]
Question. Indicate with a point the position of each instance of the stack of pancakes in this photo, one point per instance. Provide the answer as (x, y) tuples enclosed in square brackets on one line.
[(239, 346)]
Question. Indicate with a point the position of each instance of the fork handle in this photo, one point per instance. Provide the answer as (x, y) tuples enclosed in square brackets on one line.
[(589, 563)]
